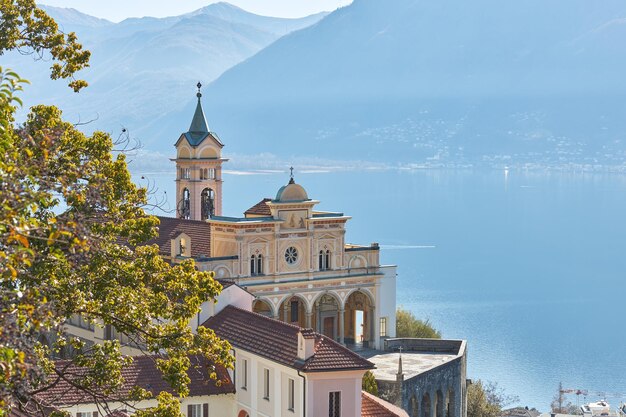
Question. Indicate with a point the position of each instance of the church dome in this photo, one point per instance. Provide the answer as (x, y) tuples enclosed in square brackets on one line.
[(291, 192)]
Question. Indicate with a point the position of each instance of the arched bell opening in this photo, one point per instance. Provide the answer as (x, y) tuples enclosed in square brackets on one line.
[(207, 204)]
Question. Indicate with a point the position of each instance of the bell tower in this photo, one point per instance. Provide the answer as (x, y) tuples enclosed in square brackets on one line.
[(198, 169)]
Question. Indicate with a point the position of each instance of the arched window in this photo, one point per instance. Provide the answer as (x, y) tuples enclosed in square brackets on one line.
[(259, 265), (184, 205), (324, 260), (207, 201), (253, 265)]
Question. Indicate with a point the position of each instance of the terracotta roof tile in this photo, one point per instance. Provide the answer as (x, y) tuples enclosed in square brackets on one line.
[(142, 372), (278, 341), (372, 406), (199, 233), (260, 209)]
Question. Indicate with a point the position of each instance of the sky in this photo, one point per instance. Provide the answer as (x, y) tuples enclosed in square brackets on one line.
[(117, 10)]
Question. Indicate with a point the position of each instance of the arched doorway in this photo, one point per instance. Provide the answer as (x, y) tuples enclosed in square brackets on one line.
[(359, 320), (326, 316), (262, 307), (293, 310)]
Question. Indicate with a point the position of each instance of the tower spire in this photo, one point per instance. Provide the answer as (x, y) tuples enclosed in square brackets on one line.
[(198, 123), (400, 374)]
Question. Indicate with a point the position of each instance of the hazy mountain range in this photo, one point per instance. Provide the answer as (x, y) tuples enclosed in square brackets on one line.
[(410, 82), (143, 68)]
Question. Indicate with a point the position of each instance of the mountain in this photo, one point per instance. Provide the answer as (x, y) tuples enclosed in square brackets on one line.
[(279, 26), (400, 83), (437, 82), (72, 20), (144, 68)]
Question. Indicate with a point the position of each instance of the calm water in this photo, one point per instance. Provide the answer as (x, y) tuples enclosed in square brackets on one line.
[(530, 268)]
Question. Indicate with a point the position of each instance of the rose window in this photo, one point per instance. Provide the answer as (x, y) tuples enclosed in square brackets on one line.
[(291, 255)]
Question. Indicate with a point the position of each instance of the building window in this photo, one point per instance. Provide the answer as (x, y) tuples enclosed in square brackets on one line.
[(182, 246), (253, 265), (383, 326), (244, 374), (259, 265), (207, 173), (84, 414), (291, 255), (195, 410), (185, 173), (291, 395), (334, 404), (266, 384), (324, 260), (80, 321)]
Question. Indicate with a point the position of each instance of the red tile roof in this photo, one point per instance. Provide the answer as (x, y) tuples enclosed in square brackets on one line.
[(199, 233), (372, 406), (142, 372), (278, 341), (260, 208)]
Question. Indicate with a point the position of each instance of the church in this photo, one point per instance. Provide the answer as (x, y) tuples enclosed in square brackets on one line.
[(307, 314), (293, 258)]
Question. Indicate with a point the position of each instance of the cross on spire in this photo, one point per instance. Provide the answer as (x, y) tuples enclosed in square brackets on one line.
[(291, 180)]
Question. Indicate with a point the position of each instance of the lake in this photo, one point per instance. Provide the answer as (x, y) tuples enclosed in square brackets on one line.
[(528, 266)]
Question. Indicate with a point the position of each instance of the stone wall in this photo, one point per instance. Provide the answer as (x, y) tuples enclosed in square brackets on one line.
[(438, 392)]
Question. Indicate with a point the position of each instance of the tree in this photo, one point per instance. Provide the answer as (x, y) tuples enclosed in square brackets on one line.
[(72, 242), (28, 29), (486, 399), (407, 325), (369, 383)]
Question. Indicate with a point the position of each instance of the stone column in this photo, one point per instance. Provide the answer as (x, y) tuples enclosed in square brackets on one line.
[(341, 325), (309, 319), (318, 318), (433, 403), (372, 327), (286, 311)]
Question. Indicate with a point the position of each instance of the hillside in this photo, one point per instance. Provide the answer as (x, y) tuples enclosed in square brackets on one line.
[(144, 68), (439, 83)]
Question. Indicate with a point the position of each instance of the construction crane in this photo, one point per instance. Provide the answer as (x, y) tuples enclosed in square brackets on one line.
[(585, 393)]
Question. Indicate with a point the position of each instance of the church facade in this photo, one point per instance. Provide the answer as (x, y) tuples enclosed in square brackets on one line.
[(291, 256)]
